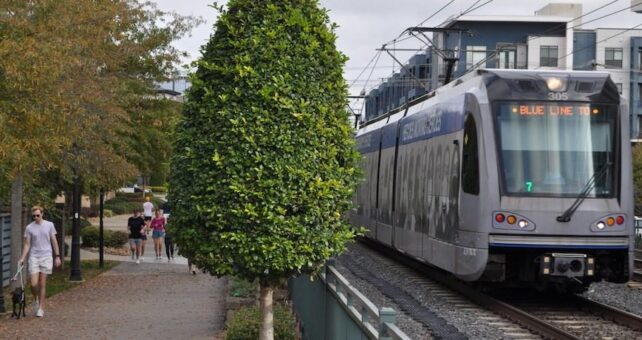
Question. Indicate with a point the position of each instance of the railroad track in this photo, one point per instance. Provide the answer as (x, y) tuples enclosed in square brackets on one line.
[(527, 316), (581, 318)]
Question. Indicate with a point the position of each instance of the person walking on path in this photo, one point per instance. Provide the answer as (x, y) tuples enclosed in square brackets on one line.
[(148, 211), (42, 247), (158, 233), (135, 225), (169, 244)]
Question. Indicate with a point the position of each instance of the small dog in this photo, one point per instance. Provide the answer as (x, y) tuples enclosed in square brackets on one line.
[(18, 298)]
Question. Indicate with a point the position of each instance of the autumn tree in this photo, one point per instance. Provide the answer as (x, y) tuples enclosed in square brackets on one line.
[(75, 76), (72, 75), (264, 164)]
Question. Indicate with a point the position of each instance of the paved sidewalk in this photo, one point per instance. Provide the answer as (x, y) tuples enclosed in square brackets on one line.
[(153, 300)]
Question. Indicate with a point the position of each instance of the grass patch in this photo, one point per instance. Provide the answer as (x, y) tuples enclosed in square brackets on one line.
[(59, 280)]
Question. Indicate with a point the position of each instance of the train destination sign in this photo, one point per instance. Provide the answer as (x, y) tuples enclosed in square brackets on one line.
[(553, 109)]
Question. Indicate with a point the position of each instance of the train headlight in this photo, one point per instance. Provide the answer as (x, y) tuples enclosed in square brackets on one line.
[(555, 83), (546, 265), (511, 219), (619, 220), (499, 218), (523, 224), (601, 225), (610, 221)]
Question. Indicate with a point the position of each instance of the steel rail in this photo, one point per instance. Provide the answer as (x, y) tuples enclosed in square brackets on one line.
[(611, 313), (543, 328)]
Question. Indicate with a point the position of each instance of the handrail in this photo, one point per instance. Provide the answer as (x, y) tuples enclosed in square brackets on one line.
[(376, 323)]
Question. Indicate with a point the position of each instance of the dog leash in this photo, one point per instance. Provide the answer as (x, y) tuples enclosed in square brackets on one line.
[(15, 277)]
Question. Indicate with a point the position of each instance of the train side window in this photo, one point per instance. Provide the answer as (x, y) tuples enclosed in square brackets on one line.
[(470, 168)]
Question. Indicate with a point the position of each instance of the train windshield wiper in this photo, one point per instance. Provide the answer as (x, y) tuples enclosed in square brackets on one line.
[(592, 182)]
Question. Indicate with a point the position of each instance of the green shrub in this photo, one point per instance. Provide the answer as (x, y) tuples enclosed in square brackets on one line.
[(242, 288), (120, 205), (246, 322), (159, 189), (117, 238), (90, 236), (130, 196), (84, 223), (125, 203), (107, 213)]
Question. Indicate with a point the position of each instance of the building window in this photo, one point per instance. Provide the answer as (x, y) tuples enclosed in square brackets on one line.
[(548, 56), (640, 59), (474, 55), (613, 57), (619, 87), (506, 59)]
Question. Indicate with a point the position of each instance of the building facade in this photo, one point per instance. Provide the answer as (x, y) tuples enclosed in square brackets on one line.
[(552, 39)]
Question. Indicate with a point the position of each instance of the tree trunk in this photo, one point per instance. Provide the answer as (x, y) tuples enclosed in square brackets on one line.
[(16, 222), (267, 316)]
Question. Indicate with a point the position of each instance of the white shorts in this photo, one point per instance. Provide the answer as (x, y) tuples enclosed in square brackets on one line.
[(42, 264)]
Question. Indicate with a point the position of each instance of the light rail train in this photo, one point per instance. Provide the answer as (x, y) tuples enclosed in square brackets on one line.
[(512, 176)]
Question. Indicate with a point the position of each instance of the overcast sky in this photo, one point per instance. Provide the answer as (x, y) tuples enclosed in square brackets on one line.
[(365, 25)]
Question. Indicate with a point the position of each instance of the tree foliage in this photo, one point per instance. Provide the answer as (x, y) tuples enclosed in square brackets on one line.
[(74, 77), (264, 163)]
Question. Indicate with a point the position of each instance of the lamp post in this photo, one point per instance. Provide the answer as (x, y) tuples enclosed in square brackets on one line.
[(2, 308), (75, 238), (101, 238)]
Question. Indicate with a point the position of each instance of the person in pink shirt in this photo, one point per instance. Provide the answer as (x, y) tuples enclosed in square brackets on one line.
[(158, 232)]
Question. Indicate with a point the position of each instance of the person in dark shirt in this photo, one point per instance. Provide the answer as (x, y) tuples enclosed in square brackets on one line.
[(135, 225)]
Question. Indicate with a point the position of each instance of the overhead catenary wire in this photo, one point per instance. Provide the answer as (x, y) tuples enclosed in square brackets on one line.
[(376, 56)]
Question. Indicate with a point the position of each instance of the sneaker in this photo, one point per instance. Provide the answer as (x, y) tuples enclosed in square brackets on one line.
[(36, 306), (40, 313), (137, 261)]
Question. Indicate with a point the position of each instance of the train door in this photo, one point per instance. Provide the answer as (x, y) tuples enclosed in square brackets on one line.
[(470, 179)]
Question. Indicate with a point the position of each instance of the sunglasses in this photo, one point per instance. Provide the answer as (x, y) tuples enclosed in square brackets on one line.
[(34, 216)]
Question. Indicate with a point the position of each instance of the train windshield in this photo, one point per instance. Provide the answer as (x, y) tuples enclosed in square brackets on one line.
[(554, 149)]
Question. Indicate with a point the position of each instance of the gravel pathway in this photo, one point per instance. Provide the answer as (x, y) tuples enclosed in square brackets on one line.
[(146, 301)]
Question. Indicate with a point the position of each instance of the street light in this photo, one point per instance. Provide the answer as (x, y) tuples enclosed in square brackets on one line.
[(2, 307), (75, 238), (101, 238)]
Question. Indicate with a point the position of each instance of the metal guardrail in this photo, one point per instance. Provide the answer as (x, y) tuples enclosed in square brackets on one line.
[(376, 323)]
